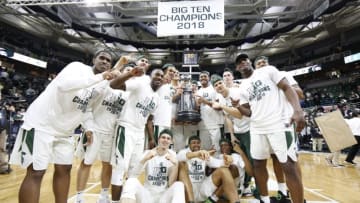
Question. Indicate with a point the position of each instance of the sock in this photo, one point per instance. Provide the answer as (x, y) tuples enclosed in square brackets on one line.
[(265, 199), (214, 197), (104, 192), (79, 197), (282, 188)]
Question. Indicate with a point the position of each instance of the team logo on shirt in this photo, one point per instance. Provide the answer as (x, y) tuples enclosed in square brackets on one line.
[(83, 99), (197, 171), (158, 176), (147, 106), (257, 90), (114, 103)]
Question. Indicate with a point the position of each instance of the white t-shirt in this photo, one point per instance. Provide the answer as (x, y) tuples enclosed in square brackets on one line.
[(354, 124), (210, 118), (237, 161), (157, 173), (105, 108), (287, 108), (142, 102), (163, 115), (61, 107), (261, 92), (240, 125), (196, 166)]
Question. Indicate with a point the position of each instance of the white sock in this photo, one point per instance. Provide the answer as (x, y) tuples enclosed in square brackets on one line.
[(282, 188), (79, 197), (104, 192), (214, 197), (265, 199)]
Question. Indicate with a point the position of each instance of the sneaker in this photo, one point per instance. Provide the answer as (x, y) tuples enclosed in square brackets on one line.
[(103, 200), (281, 197), (247, 192), (329, 161), (349, 163), (209, 200)]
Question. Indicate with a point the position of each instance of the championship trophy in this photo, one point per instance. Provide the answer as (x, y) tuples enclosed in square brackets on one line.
[(186, 106)]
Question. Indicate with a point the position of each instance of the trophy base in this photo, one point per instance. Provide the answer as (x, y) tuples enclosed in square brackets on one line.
[(188, 117)]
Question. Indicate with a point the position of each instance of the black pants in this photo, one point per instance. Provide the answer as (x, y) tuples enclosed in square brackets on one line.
[(353, 150)]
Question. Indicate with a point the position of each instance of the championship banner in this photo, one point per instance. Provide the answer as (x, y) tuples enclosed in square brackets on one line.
[(190, 18), (335, 131)]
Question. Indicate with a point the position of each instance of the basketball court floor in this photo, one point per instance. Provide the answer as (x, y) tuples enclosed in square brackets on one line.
[(322, 183)]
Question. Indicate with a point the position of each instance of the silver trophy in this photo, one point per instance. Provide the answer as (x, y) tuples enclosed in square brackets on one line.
[(186, 106)]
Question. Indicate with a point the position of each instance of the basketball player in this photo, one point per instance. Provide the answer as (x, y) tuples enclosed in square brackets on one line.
[(129, 136), (267, 129), (161, 170), (99, 126), (198, 187), (45, 136)]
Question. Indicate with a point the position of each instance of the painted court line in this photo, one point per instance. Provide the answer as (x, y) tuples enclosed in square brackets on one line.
[(314, 191), (93, 185)]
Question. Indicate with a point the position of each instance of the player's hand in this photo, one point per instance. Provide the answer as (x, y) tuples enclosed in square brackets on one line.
[(234, 140), (151, 144), (171, 158), (236, 147), (107, 75), (137, 71), (228, 160), (121, 62), (234, 102), (89, 138), (299, 119), (151, 154), (216, 106), (204, 155)]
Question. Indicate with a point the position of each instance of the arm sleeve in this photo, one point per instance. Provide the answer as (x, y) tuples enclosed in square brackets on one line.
[(274, 74), (181, 156), (75, 76), (215, 163)]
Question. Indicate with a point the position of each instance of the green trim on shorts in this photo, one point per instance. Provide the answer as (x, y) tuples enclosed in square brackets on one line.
[(120, 140), (27, 137), (289, 138), (156, 133), (84, 140)]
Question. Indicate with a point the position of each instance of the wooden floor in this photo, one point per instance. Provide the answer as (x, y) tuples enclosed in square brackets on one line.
[(322, 183)]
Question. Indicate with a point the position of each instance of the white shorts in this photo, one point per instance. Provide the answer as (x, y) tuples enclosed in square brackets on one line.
[(181, 135), (99, 149), (204, 190), (282, 144), (210, 138), (40, 148), (127, 150), (133, 189)]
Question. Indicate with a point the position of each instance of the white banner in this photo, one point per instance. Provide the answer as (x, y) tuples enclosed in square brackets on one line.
[(190, 18)]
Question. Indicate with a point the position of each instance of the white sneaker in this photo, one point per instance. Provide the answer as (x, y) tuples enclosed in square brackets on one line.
[(247, 192), (103, 200)]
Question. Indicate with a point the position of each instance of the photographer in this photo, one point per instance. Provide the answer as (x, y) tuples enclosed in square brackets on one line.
[(4, 124)]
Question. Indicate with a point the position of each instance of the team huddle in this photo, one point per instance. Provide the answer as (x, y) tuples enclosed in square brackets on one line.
[(128, 123)]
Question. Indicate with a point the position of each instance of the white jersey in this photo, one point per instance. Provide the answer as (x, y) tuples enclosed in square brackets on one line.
[(210, 118), (354, 124), (197, 167), (287, 108), (142, 102), (104, 108), (163, 115), (261, 92), (60, 108), (157, 173), (240, 125), (237, 161)]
